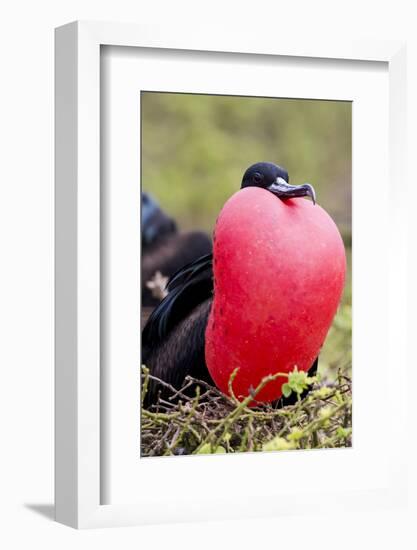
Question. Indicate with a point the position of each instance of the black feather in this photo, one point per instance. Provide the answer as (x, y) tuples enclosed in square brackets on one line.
[(187, 288), (180, 353), (173, 339), (192, 269)]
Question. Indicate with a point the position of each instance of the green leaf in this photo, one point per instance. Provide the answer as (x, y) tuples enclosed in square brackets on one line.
[(323, 392), (286, 389), (343, 433), (206, 449), (298, 381), (295, 434), (278, 444)]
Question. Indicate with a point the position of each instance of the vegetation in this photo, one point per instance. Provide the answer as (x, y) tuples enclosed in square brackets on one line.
[(211, 422)]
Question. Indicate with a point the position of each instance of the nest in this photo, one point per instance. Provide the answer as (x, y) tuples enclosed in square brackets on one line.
[(211, 422)]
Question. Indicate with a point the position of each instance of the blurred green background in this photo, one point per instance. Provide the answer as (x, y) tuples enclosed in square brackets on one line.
[(195, 149)]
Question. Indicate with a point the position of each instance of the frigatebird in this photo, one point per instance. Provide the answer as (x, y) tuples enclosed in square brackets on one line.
[(165, 249), (174, 337)]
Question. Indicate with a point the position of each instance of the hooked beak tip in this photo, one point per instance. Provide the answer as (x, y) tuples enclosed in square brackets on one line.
[(284, 190), (310, 192)]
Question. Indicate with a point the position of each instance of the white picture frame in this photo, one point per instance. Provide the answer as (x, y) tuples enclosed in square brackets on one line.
[(78, 387)]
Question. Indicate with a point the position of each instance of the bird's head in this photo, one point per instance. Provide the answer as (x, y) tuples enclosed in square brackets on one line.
[(155, 223), (275, 179)]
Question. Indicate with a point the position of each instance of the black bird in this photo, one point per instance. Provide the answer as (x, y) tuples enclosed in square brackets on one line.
[(164, 248), (173, 339)]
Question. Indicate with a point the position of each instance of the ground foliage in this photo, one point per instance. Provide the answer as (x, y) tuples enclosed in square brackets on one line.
[(211, 422)]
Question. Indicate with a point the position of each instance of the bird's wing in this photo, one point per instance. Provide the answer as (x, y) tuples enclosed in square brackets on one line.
[(187, 288), (191, 271)]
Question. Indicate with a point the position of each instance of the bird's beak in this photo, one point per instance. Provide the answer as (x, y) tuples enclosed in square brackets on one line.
[(284, 190)]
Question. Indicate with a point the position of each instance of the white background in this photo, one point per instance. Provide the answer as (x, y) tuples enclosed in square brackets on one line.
[(26, 291)]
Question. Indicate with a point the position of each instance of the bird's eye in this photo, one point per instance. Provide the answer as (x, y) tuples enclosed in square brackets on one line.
[(257, 177)]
